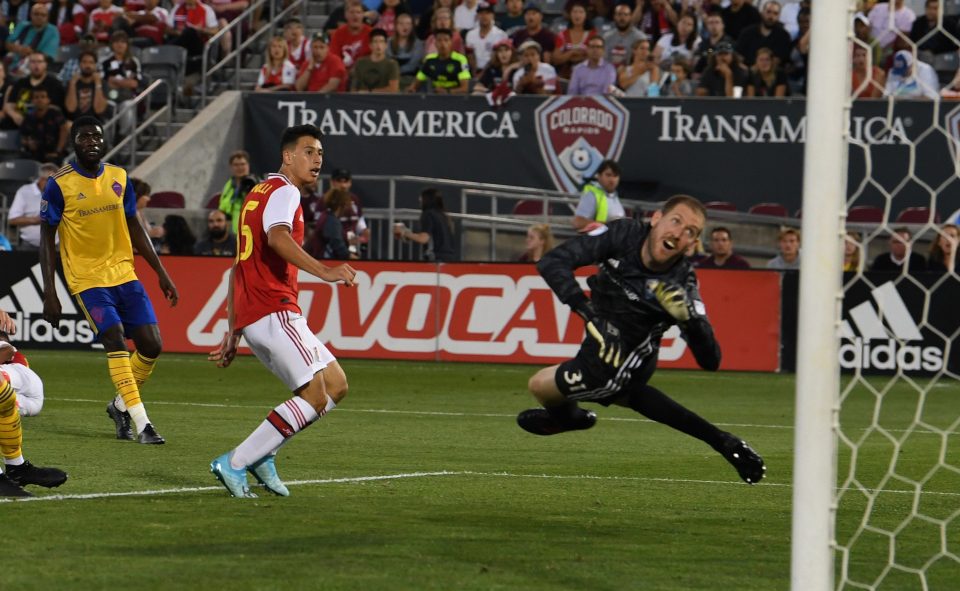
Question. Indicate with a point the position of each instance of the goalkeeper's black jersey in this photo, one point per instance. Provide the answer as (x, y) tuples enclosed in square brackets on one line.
[(622, 290)]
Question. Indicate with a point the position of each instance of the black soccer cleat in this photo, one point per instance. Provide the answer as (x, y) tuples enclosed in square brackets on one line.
[(748, 463), (9, 488), (122, 421), (540, 422), (26, 473), (150, 436)]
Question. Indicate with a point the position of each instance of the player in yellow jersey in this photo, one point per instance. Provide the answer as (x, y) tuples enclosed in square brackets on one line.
[(93, 207)]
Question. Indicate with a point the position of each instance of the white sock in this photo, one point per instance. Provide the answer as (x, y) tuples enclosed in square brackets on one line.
[(139, 415), (283, 422), (118, 404), (17, 461), (330, 406)]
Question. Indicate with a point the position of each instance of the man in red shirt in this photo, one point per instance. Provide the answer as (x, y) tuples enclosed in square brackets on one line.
[(190, 24), (262, 307), (324, 72), (351, 40)]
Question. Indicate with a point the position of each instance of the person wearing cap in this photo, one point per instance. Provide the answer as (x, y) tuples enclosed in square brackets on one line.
[(769, 32), (534, 76), (351, 40), (122, 77), (482, 39), (355, 227), (447, 71), (879, 17), (593, 76), (500, 67), (37, 34), (534, 31), (723, 73), (863, 32), (622, 38), (512, 19), (85, 96), (911, 79), (324, 72), (376, 72)]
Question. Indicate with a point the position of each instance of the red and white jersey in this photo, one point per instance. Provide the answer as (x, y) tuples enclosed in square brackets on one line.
[(263, 282), (299, 53)]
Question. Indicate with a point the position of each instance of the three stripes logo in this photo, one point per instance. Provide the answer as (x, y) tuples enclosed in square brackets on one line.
[(24, 303), (888, 339)]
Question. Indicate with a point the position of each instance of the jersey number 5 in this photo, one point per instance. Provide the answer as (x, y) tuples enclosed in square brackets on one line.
[(246, 234)]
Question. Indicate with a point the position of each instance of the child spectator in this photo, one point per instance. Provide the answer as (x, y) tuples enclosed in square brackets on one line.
[(679, 83), (446, 71), (376, 72)]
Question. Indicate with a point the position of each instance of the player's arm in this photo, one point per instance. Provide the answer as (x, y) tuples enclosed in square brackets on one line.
[(685, 305), (225, 353), (141, 242), (6, 323), (280, 240), (51, 211)]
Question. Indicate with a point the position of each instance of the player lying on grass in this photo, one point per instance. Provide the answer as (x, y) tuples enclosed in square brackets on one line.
[(644, 286)]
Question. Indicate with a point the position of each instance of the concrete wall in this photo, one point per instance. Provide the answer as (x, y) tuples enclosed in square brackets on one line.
[(194, 160)]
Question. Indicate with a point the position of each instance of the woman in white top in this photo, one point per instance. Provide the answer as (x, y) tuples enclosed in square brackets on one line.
[(278, 72), (683, 41), (635, 79)]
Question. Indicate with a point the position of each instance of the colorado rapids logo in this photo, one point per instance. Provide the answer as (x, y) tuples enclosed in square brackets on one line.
[(576, 133)]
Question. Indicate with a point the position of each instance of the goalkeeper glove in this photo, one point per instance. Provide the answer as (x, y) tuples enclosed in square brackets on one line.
[(673, 300), (606, 334)]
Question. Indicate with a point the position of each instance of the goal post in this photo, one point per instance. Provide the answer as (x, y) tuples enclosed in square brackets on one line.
[(821, 293)]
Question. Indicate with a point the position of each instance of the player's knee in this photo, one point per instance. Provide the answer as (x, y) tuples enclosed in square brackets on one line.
[(337, 389), (151, 345)]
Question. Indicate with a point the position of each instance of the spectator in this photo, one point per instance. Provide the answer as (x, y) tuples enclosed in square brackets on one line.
[(952, 89), (716, 34), (354, 224), (178, 238), (680, 83), (622, 39), (351, 40), (598, 13), (387, 15), (220, 241), (298, 46), (19, 97), (599, 202), (534, 76), (465, 15), (851, 252), (191, 23), (867, 80), (278, 72), (482, 39), (594, 76), (236, 188), (101, 20), (864, 33), (723, 73), (929, 36), (572, 42), (721, 252), (85, 96), (70, 20), (789, 257), (499, 68), (654, 18), (426, 22), (446, 71), (87, 43), (148, 24), (376, 72), (534, 31), (790, 16), (324, 72), (436, 228), (796, 68), (226, 11), (329, 236), (12, 13), (739, 15), (5, 85), (539, 241), (407, 49), (43, 133), (909, 79), (684, 40), (311, 202), (25, 211), (443, 20), (880, 19), (642, 73), (122, 77), (769, 32), (27, 38), (899, 255), (512, 19), (766, 79), (142, 190), (943, 250)]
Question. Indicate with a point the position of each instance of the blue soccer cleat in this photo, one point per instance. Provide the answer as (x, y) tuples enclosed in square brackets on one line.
[(265, 471), (233, 479)]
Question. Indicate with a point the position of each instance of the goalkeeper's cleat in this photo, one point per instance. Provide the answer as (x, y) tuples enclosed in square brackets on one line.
[(149, 436), (540, 422), (748, 463), (265, 471), (235, 480), (121, 420), (26, 473), (9, 488)]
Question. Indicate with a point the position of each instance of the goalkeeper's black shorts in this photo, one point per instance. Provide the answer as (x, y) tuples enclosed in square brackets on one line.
[(586, 378)]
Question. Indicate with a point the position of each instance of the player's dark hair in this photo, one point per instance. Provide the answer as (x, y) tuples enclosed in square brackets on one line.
[(292, 135), (610, 165), (691, 202), (239, 154), (378, 33), (81, 122), (140, 187), (722, 229), (85, 53)]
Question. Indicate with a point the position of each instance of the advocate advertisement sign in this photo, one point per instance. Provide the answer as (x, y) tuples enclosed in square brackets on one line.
[(455, 312)]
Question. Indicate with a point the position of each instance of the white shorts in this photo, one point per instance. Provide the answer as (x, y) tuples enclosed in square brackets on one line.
[(285, 344), (26, 382)]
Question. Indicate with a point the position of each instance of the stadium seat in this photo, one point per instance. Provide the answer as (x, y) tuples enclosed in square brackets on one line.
[(865, 214), (66, 53), (528, 207), (168, 199), (951, 7), (17, 172), (946, 65), (917, 215), (774, 209), (213, 202), (9, 141), (165, 62), (720, 206)]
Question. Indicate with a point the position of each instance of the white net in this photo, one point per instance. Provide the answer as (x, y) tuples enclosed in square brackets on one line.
[(898, 423)]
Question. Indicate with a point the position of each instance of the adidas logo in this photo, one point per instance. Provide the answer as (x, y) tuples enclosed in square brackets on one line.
[(25, 306), (878, 347)]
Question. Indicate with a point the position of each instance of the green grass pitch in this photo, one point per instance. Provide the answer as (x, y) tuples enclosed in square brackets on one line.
[(419, 480)]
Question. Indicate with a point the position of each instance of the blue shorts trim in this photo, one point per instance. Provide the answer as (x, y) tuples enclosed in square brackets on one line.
[(127, 304)]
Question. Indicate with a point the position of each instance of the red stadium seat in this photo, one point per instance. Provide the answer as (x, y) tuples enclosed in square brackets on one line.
[(528, 207), (865, 214), (720, 205), (917, 215), (213, 202), (168, 199), (774, 209)]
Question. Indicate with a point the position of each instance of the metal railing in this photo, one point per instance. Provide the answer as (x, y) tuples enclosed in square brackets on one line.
[(123, 109), (236, 27)]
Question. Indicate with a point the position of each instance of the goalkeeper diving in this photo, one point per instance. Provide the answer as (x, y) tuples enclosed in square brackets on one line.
[(644, 286)]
